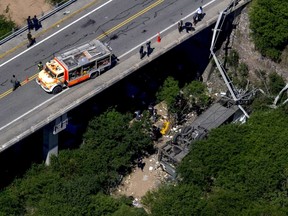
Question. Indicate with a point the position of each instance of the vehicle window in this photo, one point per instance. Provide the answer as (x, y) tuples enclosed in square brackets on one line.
[(50, 72), (103, 62), (60, 75), (75, 74), (87, 67)]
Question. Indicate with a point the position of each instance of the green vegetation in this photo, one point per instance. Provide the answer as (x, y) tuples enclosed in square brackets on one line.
[(233, 59), (6, 26), (275, 82), (269, 23), (79, 182), (271, 84), (168, 91), (238, 170), (196, 95), (238, 71), (192, 97)]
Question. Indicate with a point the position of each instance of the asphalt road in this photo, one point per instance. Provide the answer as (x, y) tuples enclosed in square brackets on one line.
[(123, 24)]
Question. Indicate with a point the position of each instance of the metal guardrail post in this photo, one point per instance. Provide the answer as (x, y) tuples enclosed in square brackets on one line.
[(19, 31)]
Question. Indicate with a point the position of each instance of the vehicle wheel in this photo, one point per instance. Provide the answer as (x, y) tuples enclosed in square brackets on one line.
[(177, 139), (94, 75), (57, 89)]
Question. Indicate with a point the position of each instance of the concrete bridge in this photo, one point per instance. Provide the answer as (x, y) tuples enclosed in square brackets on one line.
[(51, 115)]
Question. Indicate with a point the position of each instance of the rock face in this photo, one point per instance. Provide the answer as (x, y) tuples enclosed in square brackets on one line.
[(242, 42)]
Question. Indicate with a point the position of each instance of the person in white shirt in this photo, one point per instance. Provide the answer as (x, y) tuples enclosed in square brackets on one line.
[(200, 11), (198, 15)]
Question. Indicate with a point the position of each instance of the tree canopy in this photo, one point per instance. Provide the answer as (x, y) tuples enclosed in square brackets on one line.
[(79, 181), (269, 24)]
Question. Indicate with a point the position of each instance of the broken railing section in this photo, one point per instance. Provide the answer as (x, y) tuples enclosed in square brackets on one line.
[(274, 105), (238, 96)]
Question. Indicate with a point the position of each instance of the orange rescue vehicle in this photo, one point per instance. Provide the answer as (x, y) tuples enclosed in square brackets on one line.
[(74, 66)]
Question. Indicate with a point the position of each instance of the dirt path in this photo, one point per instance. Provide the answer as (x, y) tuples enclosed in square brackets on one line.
[(139, 182), (18, 11)]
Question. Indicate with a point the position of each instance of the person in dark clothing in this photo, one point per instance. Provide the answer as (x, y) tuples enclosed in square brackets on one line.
[(198, 15), (36, 23), (142, 166), (141, 52), (29, 23), (30, 39), (40, 66), (15, 82), (148, 46), (180, 26), (140, 163)]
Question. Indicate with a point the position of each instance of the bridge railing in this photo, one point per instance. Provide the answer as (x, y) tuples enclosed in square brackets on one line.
[(216, 31), (13, 34)]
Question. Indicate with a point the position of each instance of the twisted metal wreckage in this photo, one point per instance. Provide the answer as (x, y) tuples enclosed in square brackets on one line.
[(229, 109)]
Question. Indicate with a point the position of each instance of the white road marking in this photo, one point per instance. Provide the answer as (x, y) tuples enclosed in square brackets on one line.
[(39, 105)]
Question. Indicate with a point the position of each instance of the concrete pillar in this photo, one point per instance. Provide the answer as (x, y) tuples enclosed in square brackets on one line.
[(50, 143), (50, 137)]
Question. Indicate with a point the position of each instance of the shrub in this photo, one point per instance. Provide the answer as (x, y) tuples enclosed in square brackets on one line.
[(6, 26), (276, 83), (268, 22), (233, 59)]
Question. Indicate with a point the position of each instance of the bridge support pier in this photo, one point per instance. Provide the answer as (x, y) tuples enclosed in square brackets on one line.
[(50, 143), (50, 137)]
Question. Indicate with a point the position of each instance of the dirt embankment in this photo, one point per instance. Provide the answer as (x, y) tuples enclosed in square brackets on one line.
[(18, 11), (242, 42)]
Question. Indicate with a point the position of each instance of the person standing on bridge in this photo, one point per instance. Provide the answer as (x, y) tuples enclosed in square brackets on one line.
[(36, 23), (15, 82), (198, 16), (148, 46), (40, 66), (180, 26), (141, 52), (29, 23)]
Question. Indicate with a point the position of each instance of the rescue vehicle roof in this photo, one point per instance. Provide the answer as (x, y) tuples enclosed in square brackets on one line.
[(83, 54)]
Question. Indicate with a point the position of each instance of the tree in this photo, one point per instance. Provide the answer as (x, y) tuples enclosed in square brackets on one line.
[(79, 181), (168, 91), (10, 203), (269, 23), (196, 93), (178, 200)]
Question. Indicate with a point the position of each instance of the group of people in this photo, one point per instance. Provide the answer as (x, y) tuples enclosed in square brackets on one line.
[(198, 16), (33, 23), (148, 50)]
